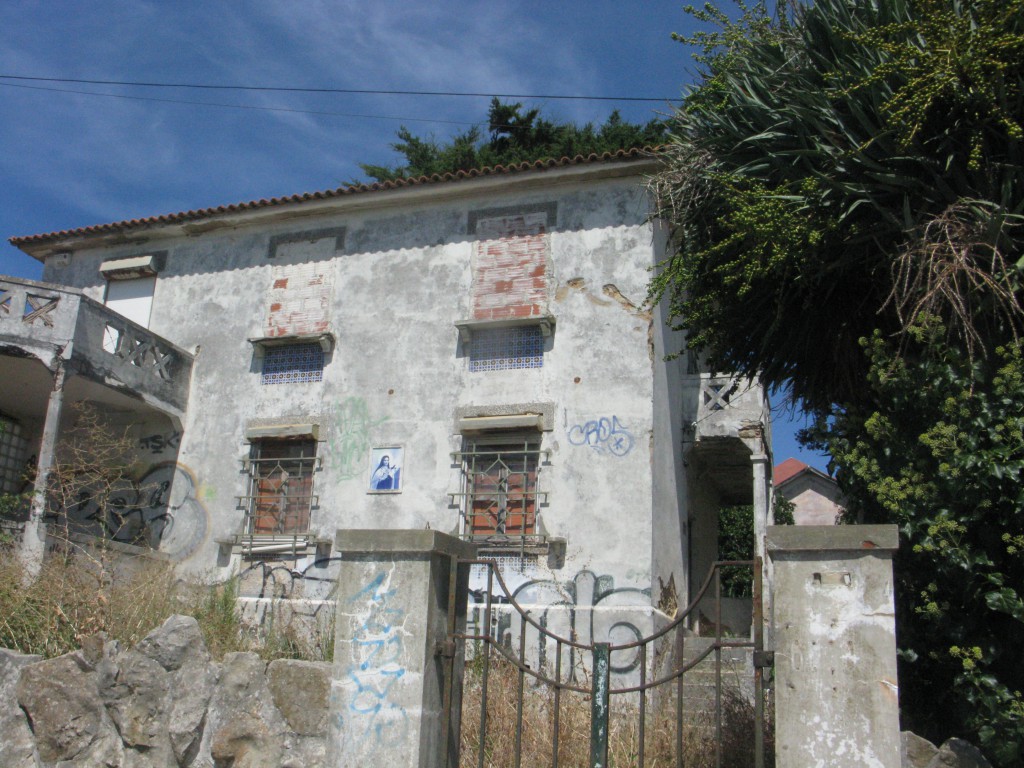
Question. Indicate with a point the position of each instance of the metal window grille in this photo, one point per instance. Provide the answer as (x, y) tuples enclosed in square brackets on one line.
[(280, 496), (509, 565), (13, 447), (501, 349), (499, 498), (293, 363)]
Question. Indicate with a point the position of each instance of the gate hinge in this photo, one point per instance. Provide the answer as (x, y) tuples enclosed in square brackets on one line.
[(764, 659), (445, 648)]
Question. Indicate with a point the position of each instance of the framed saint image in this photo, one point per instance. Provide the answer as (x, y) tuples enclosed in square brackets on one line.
[(386, 464)]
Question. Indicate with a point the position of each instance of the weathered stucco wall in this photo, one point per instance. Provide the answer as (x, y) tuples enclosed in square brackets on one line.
[(836, 694), (389, 282)]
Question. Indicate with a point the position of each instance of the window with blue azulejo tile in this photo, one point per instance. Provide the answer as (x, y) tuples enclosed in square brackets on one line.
[(293, 363), (502, 349)]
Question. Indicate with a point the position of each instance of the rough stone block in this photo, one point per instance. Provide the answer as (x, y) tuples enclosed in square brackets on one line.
[(67, 714), (957, 753), (138, 701), (915, 752), (174, 643), (246, 726), (301, 690), (17, 747)]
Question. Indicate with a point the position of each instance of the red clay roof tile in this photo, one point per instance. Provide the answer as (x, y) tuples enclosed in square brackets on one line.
[(201, 213), (786, 470)]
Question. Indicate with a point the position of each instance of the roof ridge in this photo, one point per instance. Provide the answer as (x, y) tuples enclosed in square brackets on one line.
[(351, 189)]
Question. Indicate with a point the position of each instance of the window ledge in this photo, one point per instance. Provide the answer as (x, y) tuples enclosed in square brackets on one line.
[(256, 544), (498, 544), (261, 343), (468, 327)]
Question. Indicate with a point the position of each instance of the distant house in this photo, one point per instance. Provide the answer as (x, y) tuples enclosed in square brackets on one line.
[(815, 496)]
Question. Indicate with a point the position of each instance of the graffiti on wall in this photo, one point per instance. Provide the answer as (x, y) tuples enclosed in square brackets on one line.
[(353, 426), (312, 585), (378, 652), (160, 510), (588, 609), (605, 435), (158, 442)]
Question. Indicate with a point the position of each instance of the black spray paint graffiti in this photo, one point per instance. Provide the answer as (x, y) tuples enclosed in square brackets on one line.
[(604, 435), (315, 583), (301, 602), (588, 609), (158, 443), (159, 511)]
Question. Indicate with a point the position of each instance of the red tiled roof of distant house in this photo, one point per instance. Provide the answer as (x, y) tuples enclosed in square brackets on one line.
[(787, 470)]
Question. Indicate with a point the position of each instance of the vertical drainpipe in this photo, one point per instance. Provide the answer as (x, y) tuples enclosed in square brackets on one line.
[(33, 538)]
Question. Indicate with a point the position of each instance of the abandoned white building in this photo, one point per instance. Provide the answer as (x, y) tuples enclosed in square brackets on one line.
[(470, 354)]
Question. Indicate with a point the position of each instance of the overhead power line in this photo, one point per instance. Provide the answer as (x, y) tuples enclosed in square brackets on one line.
[(240, 106), (363, 91)]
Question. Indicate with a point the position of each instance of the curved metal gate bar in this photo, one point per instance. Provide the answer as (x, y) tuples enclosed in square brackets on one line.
[(600, 689)]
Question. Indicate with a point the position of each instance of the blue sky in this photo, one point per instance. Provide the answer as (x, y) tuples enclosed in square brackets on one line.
[(71, 159)]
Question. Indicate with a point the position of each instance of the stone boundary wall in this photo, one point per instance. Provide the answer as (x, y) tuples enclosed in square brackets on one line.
[(163, 704)]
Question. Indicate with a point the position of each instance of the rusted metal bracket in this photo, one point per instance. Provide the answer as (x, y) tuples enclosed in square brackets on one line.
[(445, 648), (763, 659)]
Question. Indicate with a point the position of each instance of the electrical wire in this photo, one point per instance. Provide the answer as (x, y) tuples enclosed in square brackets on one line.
[(363, 91), (240, 106)]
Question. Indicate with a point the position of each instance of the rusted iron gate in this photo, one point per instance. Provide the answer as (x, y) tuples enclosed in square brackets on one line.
[(600, 688)]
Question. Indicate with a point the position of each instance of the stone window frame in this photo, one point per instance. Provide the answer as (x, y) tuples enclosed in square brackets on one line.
[(280, 497), (500, 496)]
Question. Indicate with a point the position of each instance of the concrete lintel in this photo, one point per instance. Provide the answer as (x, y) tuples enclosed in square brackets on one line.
[(468, 327), (144, 265), (825, 538), (517, 421), (546, 411), (291, 429), (401, 542), (261, 343)]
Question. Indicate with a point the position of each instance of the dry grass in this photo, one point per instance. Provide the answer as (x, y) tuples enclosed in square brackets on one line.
[(537, 742), (79, 592), (71, 600)]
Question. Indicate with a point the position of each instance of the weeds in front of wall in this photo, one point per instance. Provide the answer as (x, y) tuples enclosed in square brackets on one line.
[(285, 634), (574, 727), (79, 592), (73, 597)]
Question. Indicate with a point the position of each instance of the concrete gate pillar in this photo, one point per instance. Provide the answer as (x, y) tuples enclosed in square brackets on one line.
[(388, 684), (836, 695)]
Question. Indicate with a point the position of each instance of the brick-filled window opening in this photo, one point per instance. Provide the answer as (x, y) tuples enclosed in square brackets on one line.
[(293, 364), (280, 486), (501, 349), (13, 451), (500, 496)]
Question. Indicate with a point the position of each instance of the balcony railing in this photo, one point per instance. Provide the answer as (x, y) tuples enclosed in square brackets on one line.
[(729, 407), (43, 319)]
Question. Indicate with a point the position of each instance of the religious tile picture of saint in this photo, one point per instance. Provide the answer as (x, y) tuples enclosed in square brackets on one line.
[(386, 469)]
